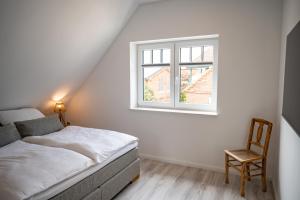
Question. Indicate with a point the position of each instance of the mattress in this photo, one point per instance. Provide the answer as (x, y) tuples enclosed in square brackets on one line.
[(60, 187), (27, 169)]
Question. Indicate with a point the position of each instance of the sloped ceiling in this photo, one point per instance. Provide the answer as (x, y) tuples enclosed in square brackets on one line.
[(48, 48)]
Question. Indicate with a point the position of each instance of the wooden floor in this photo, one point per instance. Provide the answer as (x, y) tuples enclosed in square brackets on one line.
[(162, 181)]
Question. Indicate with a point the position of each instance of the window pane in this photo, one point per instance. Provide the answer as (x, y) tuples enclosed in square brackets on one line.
[(196, 54), (196, 84), (166, 55), (208, 54), (156, 84), (185, 55), (156, 56), (147, 57)]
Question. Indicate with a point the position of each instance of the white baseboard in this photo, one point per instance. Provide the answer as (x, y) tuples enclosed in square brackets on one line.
[(191, 164), (182, 162), (200, 166)]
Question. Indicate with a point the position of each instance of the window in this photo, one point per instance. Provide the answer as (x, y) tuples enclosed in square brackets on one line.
[(177, 74)]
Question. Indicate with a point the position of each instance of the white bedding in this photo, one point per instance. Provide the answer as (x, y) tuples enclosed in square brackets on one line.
[(97, 144), (28, 169), (60, 187)]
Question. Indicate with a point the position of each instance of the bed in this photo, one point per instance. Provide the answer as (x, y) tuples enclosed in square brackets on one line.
[(110, 161)]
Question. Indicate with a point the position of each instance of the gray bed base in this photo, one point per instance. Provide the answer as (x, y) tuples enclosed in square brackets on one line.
[(106, 182)]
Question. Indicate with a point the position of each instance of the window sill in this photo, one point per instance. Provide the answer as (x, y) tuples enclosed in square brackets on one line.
[(193, 112)]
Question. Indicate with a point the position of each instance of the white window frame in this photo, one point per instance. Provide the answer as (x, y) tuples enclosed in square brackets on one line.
[(140, 92), (203, 107), (136, 75)]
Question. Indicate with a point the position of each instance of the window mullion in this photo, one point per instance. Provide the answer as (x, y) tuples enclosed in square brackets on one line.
[(176, 75), (191, 56), (151, 56), (202, 53), (161, 56)]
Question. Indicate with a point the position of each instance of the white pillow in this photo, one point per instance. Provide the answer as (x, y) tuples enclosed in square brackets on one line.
[(11, 116)]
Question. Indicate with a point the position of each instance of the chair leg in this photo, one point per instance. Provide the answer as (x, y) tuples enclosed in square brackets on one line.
[(226, 169), (248, 172), (263, 177), (242, 181)]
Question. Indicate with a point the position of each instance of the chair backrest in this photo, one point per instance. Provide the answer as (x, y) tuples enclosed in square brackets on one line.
[(262, 138)]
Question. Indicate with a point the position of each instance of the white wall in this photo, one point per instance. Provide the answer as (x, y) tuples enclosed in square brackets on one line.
[(48, 48), (287, 176), (249, 51)]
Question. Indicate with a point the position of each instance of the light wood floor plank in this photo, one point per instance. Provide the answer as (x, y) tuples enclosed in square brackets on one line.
[(163, 181)]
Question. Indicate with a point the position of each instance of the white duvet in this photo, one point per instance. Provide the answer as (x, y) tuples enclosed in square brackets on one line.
[(97, 144), (28, 169)]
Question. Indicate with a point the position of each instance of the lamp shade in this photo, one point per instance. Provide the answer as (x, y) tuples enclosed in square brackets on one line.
[(59, 107)]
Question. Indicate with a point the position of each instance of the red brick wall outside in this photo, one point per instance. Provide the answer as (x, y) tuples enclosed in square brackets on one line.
[(159, 83), (198, 92)]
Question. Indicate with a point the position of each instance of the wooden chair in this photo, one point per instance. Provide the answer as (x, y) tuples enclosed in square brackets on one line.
[(249, 161)]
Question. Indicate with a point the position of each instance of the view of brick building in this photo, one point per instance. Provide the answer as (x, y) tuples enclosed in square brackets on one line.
[(199, 90), (195, 86), (159, 84)]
